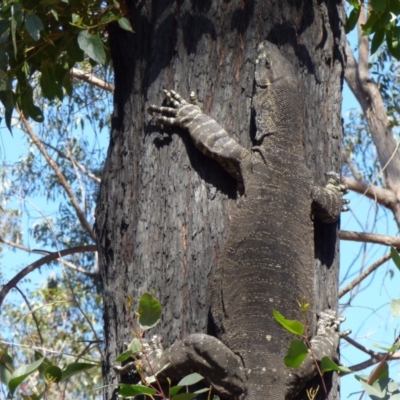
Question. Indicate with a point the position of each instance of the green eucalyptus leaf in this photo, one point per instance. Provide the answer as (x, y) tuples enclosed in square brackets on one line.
[(33, 25), (75, 368), (124, 23), (47, 82), (134, 390), (395, 257), (92, 46), (379, 6), (395, 308), (52, 374), (377, 40), (22, 373), (134, 347), (6, 366), (291, 326), (296, 354), (370, 25), (394, 7), (328, 365), (393, 44), (16, 19), (382, 389), (190, 379), (352, 19), (149, 311)]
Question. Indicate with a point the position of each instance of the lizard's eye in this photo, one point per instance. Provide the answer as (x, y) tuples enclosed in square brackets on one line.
[(267, 64)]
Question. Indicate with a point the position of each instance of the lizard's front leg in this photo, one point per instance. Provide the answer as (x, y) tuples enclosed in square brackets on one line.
[(328, 201), (205, 355), (208, 136), (324, 343)]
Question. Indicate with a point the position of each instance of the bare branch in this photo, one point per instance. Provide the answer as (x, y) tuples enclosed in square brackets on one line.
[(44, 260), (370, 238), (74, 162), (347, 160), (366, 273), (363, 48), (32, 313), (60, 176), (367, 93), (47, 350), (68, 264), (382, 196), (92, 79)]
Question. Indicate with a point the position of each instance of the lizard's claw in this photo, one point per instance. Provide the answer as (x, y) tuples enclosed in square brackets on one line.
[(336, 184), (174, 98), (175, 114), (193, 99), (329, 323)]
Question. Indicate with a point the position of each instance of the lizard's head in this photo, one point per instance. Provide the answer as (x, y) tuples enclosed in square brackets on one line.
[(271, 66)]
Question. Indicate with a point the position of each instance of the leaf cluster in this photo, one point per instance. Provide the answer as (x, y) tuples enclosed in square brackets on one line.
[(148, 315), (49, 373), (49, 37), (382, 23)]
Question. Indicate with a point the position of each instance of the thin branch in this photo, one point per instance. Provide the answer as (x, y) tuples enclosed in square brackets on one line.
[(376, 357), (366, 273), (60, 176), (370, 238), (363, 48), (94, 275), (368, 95), (32, 311), (44, 260), (92, 79), (73, 161), (85, 171), (46, 350), (354, 170), (383, 196)]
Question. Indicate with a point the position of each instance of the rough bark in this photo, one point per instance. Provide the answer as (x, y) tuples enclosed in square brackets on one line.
[(164, 209)]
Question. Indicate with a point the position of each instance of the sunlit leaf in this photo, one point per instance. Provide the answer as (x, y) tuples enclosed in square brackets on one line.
[(328, 365), (190, 379), (52, 374), (296, 354), (124, 23), (395, 308), (134, 390), (377, 40), (395, 257), (352, 19), (292, 326), (149, 311), (75, 368), (22, 373), (92, 46)]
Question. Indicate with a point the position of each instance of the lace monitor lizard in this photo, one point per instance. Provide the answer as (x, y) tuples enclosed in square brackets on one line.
[(268, 259)]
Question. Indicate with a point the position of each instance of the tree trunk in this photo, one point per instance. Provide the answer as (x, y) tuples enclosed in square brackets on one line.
[(164, 208)]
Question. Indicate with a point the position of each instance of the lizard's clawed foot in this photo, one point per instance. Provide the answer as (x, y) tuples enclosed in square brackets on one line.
[(336, 184), (329, 323), (170, 115)]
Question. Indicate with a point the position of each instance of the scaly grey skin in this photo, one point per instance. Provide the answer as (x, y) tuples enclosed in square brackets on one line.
[(268, 259)]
